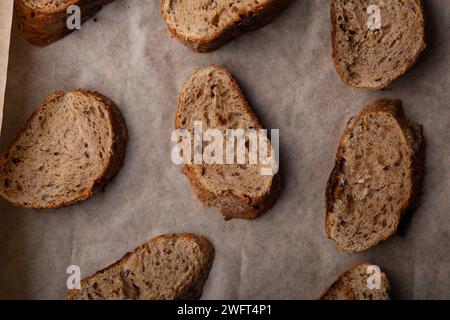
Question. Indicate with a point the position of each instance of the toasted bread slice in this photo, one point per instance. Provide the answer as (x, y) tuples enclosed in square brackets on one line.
[(366, 56), (207, 25), (376, 177), (71, 147), (213, 97), (168, 267), (353, 285), (45, 21)]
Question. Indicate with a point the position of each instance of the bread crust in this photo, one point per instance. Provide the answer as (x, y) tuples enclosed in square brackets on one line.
[(193, 291), (43, 26), (412, 133), (248, 21), (232, 205), (119, 142), (349, 294), (239, 207), (383, 84)]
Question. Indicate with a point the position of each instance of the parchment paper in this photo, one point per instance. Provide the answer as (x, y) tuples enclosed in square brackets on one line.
[(286, 72), (6, 9)]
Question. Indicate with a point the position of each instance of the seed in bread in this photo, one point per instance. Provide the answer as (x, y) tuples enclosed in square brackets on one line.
[(212, 96), (368, 57), (168, 267), (376, 177), (207, 25), (353, 285), (70, 148)]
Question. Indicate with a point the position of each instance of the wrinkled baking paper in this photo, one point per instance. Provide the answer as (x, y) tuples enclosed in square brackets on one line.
[(286, 71), (6, 9)]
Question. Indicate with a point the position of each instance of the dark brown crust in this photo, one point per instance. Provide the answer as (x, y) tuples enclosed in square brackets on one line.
[(382, 85), (192, 290), (248, 21), (351, 296), (195, 289), (242, 207), (42, 26), (119, 138), (413, 135)]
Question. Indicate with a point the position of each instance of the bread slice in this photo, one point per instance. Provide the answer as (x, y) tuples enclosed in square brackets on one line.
[(212, 96), (376, 177), (352, 285), (168, 267), (71, 147), (368, 58), (45, 21), (207, 25)]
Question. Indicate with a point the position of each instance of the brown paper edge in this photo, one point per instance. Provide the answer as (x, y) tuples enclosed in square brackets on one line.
[(6, 15)]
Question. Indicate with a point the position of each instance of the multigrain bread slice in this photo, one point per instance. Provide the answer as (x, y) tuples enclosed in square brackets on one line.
[(168, 267), (212, 96), (70, 148), (45, 21), (353, 285), (376, 178), (368, 58), (205, 25)]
